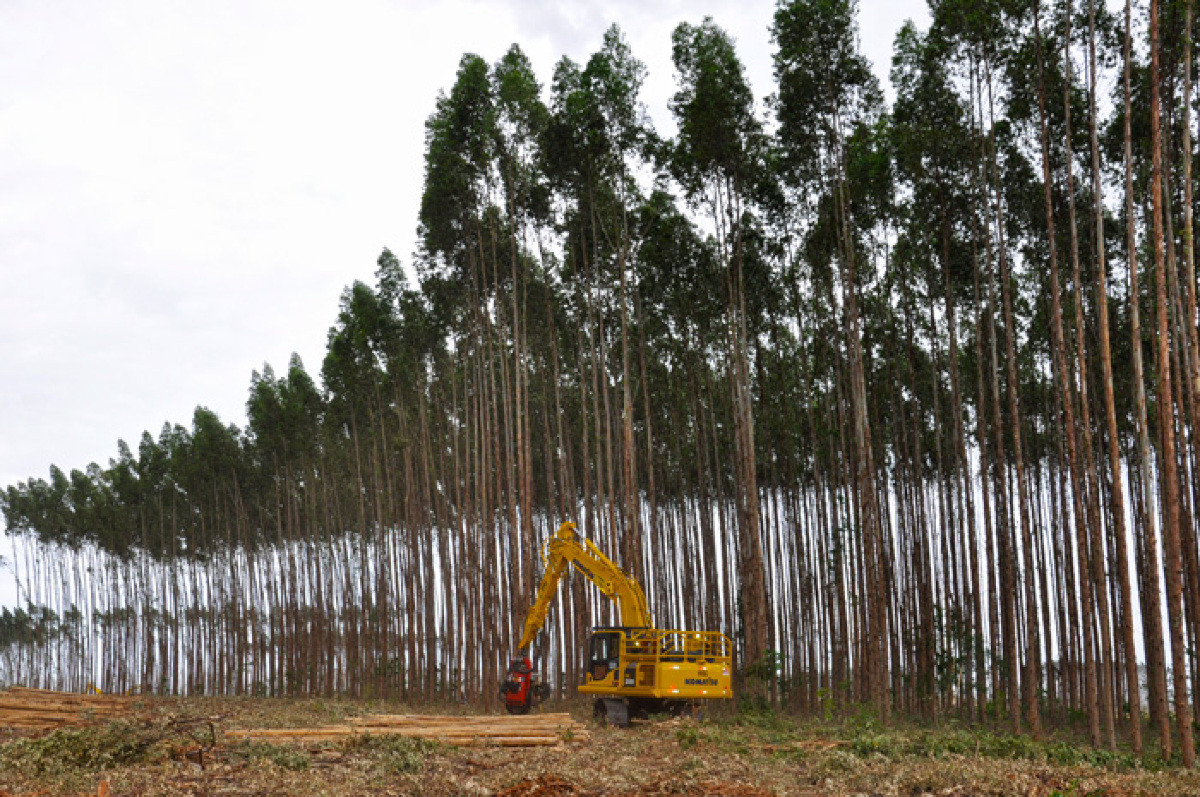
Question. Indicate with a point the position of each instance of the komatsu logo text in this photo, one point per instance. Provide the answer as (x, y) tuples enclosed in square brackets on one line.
[(700, 681)]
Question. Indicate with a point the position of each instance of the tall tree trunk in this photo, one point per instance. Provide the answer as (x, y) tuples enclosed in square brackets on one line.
[(1033, 659), (1110, 413), (1151, 591), (1170, 477), (877, 639), (1088, 463), (1066, 393)]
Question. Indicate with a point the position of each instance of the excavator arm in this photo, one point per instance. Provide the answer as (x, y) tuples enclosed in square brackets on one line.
[(568, 547)]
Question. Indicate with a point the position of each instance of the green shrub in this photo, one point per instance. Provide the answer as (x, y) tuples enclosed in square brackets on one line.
[(395, 762), (393, 754), (938, 744), (869, 743), (281, 755)]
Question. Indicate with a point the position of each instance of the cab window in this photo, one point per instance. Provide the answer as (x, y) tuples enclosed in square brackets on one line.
[(605, 648)]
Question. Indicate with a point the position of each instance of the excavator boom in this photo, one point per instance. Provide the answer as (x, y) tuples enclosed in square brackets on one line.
[(567, 547)]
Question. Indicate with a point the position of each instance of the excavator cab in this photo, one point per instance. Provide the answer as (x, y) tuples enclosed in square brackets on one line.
[(604, 654)]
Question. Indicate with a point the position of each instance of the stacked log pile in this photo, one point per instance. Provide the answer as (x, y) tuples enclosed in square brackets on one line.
[(25, 709), (478, 731)]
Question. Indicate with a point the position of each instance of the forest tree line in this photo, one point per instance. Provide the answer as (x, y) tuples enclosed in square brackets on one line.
[(902, 396)]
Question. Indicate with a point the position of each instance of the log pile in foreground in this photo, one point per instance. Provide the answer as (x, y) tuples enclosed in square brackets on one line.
[(44, 709), (463, 731)]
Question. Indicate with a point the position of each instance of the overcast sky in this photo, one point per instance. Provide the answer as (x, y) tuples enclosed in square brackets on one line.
[(186, 187)]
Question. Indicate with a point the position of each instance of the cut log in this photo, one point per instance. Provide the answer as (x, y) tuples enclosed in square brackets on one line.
[(490, 719), (456, 741), (22, 708), (462, 731)]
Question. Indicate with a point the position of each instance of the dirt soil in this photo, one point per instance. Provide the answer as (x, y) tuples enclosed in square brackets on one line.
[(175, 754)]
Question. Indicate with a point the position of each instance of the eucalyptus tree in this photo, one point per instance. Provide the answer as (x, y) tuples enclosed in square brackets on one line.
[(284, 446), (826, 88), (1067, 390), (1166, 428), (1133, 689), (595, 148), (521, 119), (681, 284), (460, 262), (933, 151), (717, 158), (1147, 519)]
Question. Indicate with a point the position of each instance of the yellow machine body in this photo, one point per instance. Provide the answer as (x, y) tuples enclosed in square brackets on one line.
[(652, 663)]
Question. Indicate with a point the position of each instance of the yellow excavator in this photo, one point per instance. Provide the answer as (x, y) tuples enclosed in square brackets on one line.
[(633, 669)]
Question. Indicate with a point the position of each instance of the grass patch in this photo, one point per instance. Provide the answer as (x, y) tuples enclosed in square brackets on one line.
[(865, 737), (687, 737), (939, 743), (758, 718)]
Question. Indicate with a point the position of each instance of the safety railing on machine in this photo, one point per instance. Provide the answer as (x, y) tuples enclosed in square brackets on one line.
[(654, 645)]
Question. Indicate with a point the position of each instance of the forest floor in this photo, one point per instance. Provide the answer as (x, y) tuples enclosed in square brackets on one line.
[(166, 751)]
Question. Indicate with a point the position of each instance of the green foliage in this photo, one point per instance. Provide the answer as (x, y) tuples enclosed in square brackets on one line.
[(827, 701), (768, 667), (864, 720), (284, 756), (762, 716), (718, 129), (459, 136), (822, 76), (392, 754), (869, 743), (69, 751), (36, 625)]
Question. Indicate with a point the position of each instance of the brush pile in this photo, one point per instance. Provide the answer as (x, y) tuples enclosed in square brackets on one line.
[(531, 730), (23, 709)]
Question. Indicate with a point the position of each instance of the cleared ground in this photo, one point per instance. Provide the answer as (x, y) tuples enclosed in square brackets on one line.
[(178, 747)]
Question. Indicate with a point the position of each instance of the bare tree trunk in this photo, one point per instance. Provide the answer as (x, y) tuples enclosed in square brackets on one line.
[(1151, 591), (1110, 413), (1060, 366), (1170, 477), (877, 667), (1088, 462), (1032, 676)]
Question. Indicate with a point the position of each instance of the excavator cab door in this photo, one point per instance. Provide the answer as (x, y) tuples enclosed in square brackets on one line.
[(604, 654)]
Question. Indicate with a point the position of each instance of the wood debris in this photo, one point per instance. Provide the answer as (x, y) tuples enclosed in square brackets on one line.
[(543, 786), (462, 731), (554, 786), (25, 709), (807, 744)]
